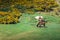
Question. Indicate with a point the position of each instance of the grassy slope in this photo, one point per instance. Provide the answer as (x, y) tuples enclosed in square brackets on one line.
[(27, 30)]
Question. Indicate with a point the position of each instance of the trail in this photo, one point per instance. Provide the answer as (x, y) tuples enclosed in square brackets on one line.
[(17, 36)]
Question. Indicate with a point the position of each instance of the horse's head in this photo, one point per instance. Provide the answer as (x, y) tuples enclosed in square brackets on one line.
[(39, 17)]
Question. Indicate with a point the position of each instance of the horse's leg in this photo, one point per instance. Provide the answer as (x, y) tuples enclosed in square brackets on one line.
[(40, 25), (44, 24), (37, 25)]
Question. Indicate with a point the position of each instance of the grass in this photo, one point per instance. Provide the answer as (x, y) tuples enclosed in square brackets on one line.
[(27, 30)]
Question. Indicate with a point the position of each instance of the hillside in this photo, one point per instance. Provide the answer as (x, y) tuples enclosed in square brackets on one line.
[(15, 8), (17, 19)]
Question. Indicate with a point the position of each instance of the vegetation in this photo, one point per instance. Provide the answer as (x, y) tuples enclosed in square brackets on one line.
[(37, 5), (11, 11), (27, 30), (9, 17)]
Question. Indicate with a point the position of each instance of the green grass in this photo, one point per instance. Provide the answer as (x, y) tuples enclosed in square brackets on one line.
[(27, 30)]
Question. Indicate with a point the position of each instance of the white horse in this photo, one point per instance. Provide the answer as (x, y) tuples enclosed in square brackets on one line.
[(41, 21), (37, 17)]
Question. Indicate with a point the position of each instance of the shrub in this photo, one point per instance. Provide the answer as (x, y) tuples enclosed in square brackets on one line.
[(10, 17)]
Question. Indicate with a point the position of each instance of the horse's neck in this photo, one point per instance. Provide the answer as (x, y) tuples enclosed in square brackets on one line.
[(40, 19)]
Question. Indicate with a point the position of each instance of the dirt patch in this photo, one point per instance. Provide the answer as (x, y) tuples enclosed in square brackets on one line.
[(18, 36)]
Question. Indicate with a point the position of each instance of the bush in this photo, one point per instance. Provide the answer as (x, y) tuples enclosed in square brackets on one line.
[(9, 17), (45, 5)]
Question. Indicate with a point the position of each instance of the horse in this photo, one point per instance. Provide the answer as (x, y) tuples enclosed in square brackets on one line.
[(41, 20), (41, 23)]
